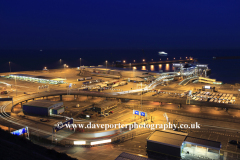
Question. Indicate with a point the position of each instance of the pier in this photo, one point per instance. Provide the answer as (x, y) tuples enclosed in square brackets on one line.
[(155, 62)]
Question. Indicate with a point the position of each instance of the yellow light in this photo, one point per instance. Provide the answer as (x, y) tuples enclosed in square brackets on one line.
[(133, 60), (79, 142), (101, 142), (143, 60), (124, 61)]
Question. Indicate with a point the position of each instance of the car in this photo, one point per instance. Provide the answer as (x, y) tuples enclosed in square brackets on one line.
[(102, 115), (44, 120), (233, 142), (110, 111), (106, 114)]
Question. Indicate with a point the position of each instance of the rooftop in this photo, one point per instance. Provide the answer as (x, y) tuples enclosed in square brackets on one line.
[(171, 138), (41, 103)]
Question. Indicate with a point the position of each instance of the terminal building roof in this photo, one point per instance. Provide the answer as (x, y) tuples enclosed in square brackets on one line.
[(41, 103), (32, 76), (171, 138)]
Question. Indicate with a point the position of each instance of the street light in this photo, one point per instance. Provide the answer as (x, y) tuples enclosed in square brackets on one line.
[(134, 61), (106, 64), (64, 70), (143, 60), (10, 67), (80, 61), (60, 62), (124, 61)]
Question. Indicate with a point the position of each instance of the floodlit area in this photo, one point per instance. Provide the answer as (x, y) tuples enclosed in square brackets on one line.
[(98, 96)]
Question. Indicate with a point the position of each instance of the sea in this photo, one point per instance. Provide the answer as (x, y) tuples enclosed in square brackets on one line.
[(225, 70)]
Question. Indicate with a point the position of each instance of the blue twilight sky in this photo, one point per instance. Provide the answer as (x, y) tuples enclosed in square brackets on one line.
[(114, 24)]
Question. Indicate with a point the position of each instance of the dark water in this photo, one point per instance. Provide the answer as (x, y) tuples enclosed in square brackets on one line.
[(226, 70)]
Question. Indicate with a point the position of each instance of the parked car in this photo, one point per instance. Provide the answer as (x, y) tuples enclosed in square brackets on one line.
[(106, 114), (111, 112)]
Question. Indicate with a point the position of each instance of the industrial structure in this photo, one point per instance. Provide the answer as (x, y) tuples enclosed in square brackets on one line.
[(43, 108), (180, 145), (38, 79)]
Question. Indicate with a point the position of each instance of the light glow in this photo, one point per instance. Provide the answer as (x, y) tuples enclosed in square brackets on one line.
[(101, 142), (79, 142)]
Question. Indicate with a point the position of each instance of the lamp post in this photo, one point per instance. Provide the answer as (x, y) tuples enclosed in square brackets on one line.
[(64, 70), (16, 84), (106, 64), (60, 62), (80, 62), (10, 67)]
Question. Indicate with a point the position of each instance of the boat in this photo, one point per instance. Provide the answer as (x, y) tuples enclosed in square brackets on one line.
[(162, 53)]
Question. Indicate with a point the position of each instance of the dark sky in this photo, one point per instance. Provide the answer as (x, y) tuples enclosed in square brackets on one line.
[(57, 24)]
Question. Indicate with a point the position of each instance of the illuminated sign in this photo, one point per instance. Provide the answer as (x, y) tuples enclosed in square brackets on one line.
[(20, 131), (143, 114), (136, 112)]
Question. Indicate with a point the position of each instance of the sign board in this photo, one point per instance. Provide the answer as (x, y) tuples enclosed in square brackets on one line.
[(20, 131), (139, 113), (61, 125), (135, 112), (143, 114)]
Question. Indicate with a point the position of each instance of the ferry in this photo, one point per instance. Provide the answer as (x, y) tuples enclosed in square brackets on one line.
[(162, 53)]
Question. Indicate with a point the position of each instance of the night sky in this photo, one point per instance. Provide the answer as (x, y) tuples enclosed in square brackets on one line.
[(114, 24)]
